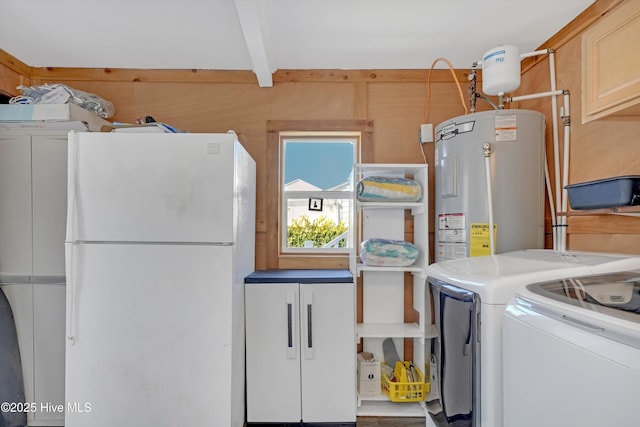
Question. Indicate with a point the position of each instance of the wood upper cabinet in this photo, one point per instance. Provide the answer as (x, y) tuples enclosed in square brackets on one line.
[(611, 64)]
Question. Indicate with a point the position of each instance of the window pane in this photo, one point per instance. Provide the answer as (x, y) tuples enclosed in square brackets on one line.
[(318, 165), (327, 229)]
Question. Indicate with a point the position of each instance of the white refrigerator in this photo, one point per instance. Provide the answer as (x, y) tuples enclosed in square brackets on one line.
[(160, 236)]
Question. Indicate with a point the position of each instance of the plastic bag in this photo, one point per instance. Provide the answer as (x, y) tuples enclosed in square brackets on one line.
[(62, 94)]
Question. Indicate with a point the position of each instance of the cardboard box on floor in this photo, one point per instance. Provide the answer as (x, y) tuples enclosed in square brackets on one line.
[(369, 382)]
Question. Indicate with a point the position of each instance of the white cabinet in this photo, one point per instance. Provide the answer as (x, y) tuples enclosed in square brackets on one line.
[(300, 353), (610, 64), (38, 311), (33, 188), (49, 302), (383, 288), (20, 297)]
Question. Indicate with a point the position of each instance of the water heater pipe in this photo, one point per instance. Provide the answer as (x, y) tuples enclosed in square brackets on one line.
[(566, 120), (535, 53), (533, 96), (487, 166), (556, 150), (552, 209), (559, 226)]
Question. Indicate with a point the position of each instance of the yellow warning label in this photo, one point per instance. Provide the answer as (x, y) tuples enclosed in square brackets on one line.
[(479, 239)]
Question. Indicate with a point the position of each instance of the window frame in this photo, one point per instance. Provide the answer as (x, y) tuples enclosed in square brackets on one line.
[(277, 130), (321, 137)]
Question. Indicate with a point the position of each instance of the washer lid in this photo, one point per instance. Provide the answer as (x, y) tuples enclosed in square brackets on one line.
[(614, 294), (497, 278)]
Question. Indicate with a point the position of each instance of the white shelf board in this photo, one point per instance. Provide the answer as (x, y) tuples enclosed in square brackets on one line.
[(390, 205), (385, 168), (387, 408), (431, 331), (385, 330), (411, 269), (417, 208)]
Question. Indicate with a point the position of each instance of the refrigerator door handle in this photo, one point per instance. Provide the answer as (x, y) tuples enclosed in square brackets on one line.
[(291, 326), (308, 324), (70, 297)]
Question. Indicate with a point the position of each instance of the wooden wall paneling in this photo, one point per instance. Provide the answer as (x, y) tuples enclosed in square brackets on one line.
[(271, 258), (398, 110), (605, 242), (10, 80), (594, 224), (142, 75), (598, 149), (370, 76), (13, 73), (361, 101)]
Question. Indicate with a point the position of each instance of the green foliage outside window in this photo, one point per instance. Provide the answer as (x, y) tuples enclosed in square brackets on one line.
[(320, 231)]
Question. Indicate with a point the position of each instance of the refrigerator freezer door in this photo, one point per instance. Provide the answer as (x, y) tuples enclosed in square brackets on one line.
[(152, 336), (151, 187)]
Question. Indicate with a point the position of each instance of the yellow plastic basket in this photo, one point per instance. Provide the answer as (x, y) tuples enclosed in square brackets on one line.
[(408, 384)]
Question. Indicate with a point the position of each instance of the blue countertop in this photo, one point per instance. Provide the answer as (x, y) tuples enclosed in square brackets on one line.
[(300, 276)]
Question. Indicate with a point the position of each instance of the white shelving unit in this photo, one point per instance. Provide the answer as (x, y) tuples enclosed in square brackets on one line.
[(383, 287)]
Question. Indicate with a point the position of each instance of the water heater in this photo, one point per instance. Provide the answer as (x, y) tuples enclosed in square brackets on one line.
[(513, 141)]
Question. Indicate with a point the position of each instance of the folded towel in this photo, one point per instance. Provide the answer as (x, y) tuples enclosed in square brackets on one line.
[(380, 188), (388, 253)]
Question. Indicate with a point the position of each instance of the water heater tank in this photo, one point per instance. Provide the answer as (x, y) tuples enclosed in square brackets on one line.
[(501, 70), (516, 168)]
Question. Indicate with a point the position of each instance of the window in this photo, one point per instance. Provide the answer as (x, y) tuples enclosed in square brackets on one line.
[(317, 182), (310, 187)]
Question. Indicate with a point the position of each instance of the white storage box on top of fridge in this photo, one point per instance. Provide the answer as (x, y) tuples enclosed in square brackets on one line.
[(470, 297), (160, 235)]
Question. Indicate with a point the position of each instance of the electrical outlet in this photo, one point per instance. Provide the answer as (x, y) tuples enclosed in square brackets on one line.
[(426, 133)]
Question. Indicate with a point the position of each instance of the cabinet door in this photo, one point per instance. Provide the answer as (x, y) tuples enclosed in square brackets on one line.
[(610, 64), (49, 160), (15, 205), (273, 352), (328, 352), (49, 348), (20, 296)]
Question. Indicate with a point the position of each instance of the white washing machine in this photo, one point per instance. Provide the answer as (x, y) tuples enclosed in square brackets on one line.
[(469, 299), (572, 352)]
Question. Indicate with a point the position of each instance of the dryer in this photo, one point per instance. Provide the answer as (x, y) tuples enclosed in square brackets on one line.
[(572, 352), (469, 298)]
